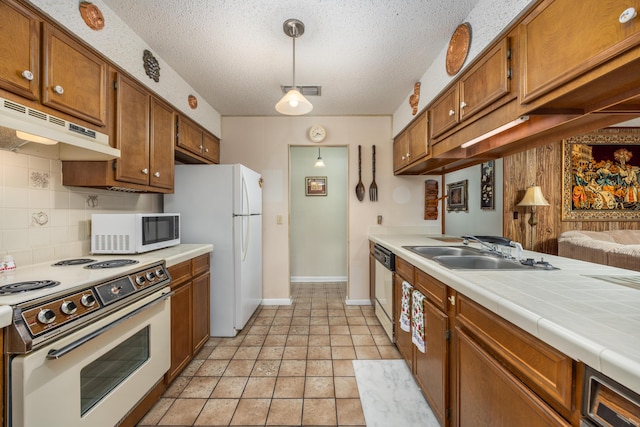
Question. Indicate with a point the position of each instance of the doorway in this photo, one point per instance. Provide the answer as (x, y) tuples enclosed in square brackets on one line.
[(318, 233)]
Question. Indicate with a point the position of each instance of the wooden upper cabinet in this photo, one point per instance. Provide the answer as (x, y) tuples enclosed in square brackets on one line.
[(412, 144), (445, 111), (189, 136), (211, 148), (563, 39), (162, 142), (19, 50), (74, 79)]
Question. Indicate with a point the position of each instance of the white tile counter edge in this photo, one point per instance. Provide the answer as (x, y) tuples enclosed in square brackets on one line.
[(537, 305)]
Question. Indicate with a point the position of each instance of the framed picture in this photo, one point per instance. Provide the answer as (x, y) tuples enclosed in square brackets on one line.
[(316, 186), (600, 176), (487, 177), (457, 196)]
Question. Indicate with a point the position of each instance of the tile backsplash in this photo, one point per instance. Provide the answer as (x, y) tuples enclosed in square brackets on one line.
[(41, 220)]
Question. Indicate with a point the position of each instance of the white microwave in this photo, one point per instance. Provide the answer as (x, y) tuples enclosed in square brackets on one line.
[(133, 233)]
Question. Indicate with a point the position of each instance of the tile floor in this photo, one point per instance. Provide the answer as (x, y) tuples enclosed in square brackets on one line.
[(290, 366)]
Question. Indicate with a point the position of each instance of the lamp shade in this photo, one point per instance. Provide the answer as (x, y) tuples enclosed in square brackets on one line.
[(533, 197), (293, 104)]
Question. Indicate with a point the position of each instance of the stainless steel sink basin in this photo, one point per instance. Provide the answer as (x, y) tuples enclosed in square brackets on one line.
[(479, 262), (433, 251)]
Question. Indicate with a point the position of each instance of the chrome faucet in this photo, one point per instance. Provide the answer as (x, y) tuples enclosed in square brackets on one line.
[(492, 248), (519, 249)]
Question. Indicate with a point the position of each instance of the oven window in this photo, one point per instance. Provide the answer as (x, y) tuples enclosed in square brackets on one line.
[(104, 374)]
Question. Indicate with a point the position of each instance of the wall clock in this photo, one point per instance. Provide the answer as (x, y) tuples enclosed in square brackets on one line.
[(317, 133)]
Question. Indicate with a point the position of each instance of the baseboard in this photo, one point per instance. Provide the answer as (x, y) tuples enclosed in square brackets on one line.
[(357, 302), (277, 301), (318, 279)]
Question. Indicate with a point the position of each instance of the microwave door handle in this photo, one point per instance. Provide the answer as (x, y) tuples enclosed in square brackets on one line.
[(56, 354)]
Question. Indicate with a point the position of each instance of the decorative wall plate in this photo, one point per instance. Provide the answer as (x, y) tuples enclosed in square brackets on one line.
[(415, 98), (91, 15), (151, 66), (193, 102), (458, 48)]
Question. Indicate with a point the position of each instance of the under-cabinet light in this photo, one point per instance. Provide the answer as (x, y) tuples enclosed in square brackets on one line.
[(496, 131)]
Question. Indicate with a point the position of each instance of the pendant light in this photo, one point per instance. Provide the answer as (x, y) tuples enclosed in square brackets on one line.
[(293, 103), (319, 162)]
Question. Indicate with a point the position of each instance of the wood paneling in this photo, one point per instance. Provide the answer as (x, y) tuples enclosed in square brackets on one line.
[(543, 166)]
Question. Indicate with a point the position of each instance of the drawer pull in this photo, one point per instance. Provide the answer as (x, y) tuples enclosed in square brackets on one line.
[(452, 299)]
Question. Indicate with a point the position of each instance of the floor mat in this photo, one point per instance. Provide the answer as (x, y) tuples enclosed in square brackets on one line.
[(390, 396)]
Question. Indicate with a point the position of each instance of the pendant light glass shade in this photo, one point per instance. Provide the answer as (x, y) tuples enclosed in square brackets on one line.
[(293, 103), (319, 162)]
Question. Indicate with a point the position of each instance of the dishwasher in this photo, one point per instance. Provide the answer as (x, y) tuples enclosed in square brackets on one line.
[(385, 265)]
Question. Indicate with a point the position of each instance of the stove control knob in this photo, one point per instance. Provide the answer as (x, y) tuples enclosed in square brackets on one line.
[(69, 307), (46, 316), (160, 273), (88, 300), (140, 280), (151, 276)]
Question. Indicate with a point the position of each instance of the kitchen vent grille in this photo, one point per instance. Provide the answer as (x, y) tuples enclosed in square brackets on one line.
[(114, 243), (304, 90)]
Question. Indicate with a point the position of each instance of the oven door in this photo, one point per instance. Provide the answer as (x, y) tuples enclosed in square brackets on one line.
[(96, 375)]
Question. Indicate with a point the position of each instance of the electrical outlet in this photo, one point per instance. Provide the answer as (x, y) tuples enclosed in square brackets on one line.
[(515, 215), (279, 220)]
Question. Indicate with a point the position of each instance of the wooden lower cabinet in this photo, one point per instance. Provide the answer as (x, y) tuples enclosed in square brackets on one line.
[(489, 395)]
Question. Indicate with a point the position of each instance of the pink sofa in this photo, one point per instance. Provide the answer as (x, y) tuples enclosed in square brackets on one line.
[(617, 248)]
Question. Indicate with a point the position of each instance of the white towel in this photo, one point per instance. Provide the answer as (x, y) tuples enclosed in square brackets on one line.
[(405, 315), (418, 323)]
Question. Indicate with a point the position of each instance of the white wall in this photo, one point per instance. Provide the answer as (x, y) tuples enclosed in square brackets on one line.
[(262, 143), (475, 221), (318, 225)]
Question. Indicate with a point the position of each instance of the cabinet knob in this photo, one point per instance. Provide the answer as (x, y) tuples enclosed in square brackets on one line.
[(145, 171), (200, 147), (463, 104), (27, 75), (451, 112), (156, 174), (403, 157), (627, 15), (58, 89), (206, 150), (452, 299), (408, 155)]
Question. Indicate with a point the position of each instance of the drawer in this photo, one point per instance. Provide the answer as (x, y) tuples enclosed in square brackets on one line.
[(404, 269), (433, 289), (180, 273), (200, 264)]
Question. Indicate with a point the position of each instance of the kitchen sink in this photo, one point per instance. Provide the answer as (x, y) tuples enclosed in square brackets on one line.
[(433, 251), (480, 262)]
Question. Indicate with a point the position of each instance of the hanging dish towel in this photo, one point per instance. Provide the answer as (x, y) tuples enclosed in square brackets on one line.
[(417, 320), (405, 315)]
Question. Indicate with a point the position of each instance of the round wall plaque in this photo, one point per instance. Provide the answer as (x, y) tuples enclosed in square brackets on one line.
[(458, 48), (91, 15)]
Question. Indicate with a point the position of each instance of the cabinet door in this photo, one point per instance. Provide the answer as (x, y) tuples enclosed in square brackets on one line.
[(211, 148), (486, 82), (189, 136), (489, 395), (400, 151), (75, 80), (162, 140), (444, 112), (432, 366), (132, 131), (403, 338), (563, 39), (181, 338), (19, 50), (418, 140), (200, 311)]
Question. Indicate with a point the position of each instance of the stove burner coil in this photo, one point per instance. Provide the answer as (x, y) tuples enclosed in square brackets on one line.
[(112, 263), (77, 261), (14, 288)]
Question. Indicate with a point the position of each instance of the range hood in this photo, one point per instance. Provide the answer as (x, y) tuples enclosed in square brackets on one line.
[(59, 138)]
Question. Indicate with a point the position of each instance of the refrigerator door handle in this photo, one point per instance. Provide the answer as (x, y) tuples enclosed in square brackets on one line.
[(246, 202), (245, 238)]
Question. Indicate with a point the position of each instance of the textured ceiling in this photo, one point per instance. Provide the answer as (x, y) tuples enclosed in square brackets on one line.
[(366, 54)]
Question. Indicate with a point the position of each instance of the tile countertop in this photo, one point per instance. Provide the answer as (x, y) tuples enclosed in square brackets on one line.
[(588, 319)]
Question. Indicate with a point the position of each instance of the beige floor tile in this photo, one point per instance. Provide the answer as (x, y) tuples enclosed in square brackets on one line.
[(336, 312), (212, 368), (300, 321), (200, 387), (292, 368), (319, 312), (284, 312), (229, 387), (251, 412), (281, 321), (300, 311), (223, 352), (232, 341), (319, 368), (337, 320), (319, 321), (262, 321), (319, 353), (318, 412), (381, 339), (289, 387), (341, 340), (217, 412), (156, 413), (339, 329), (204, 353), (239, 368), (376, 330), (266, 368), (356, 321), (363, 340), (297, 340), (260, 387), (271, 352), (192, 368), (367, 352), (320, 340), (297, 329), (183, 412), (177, 386), (295, 352), (346, 387), (318, 330), (349, 412), (285, 412), (360, 330), (343, 368), (258, 330), (318, 387), (246, 352), (275, 340), (254, 340), (389, 352), (279, 329), (343, 353)]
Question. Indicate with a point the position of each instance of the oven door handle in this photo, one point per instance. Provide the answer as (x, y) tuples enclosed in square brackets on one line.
[(56, 354)]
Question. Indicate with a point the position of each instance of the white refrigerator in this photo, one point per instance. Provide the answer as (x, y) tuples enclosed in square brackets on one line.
[(222, 205)]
